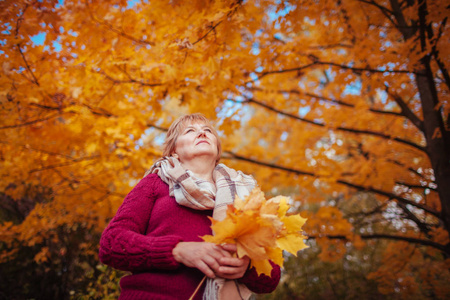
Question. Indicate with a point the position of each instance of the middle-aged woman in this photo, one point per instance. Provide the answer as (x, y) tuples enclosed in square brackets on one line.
[(156, 233)]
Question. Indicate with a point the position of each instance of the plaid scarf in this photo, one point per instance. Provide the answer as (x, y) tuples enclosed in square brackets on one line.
[(200, 194)]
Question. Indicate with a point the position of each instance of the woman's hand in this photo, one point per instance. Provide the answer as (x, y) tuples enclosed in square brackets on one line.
[(204, 256), (232, 267)]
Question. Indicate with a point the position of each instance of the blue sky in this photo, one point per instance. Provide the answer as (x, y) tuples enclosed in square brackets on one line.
[(39, 39)]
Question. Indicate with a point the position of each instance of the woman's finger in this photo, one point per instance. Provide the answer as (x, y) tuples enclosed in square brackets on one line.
[(231, 272), (233, 268), (229, 247), (232, 261), (205, 269)]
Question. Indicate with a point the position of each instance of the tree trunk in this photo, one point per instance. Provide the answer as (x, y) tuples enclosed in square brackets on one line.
[(434, 131), (438, 145)]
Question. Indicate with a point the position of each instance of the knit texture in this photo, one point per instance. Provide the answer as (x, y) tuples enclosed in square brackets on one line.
[(140, 239)]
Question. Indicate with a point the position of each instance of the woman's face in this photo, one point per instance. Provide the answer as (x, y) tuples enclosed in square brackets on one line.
[(196, 140)]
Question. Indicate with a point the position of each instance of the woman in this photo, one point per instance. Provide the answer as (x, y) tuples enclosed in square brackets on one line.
[(156, 233)]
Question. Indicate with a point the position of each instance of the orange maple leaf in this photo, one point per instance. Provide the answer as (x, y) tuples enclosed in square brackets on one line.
[(260, 229)]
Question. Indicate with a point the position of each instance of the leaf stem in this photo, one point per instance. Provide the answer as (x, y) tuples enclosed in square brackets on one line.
[(198, 287)]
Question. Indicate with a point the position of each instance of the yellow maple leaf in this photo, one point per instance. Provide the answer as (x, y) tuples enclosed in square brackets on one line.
[(260, 229)]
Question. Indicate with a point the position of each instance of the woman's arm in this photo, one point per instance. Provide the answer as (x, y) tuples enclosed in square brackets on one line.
[(125, 246), (263, 283)]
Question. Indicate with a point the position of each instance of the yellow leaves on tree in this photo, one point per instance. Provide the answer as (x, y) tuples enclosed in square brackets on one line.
[(261, 230), (331, 231), (395, 273)]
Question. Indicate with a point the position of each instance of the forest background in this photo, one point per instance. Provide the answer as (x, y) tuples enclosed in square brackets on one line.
[(343, 105)]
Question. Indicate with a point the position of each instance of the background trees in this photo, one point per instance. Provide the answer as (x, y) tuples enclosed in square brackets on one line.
[(342, 105)]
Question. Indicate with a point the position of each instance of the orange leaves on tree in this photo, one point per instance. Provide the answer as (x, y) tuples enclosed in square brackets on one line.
[(261, 230), (329, 222)]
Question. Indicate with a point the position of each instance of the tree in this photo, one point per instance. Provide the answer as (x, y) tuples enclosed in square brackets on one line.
[(333, 101)]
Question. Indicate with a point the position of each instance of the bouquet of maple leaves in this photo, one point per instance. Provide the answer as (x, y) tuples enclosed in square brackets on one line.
[(261, 229)]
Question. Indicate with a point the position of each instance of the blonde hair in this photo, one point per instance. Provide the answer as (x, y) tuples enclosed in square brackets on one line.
[(177, 128)]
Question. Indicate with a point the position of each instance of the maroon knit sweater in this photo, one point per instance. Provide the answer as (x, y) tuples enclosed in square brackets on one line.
[(140, 239)]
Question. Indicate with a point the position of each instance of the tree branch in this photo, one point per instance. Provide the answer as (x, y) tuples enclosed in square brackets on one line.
[(347, 21), (340, 128), (330, 100), (96, 111), (403, 165), (332, 46), (233, 155), (73, 161), (131, 80), (402, 26), (28, 147), (411, 216), (391, 237), (435, 53), (157, 127), (416, 186), (361, 70), (332, 64), (263, 74), (31, 122), (35, 81), (99, 111), (386, 12), (209, 31), (406, 111), (115, 30)]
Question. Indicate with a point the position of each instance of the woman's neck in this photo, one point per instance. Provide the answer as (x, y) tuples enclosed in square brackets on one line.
[(201, 167)]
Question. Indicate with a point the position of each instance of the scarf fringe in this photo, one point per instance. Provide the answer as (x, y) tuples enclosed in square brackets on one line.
[(211, 290)]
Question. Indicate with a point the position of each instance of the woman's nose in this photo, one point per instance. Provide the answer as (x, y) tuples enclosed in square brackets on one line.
[(201, 132)]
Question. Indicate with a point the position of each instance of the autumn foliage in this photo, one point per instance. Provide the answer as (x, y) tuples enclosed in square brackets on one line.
[(260, 229), (342, 105)]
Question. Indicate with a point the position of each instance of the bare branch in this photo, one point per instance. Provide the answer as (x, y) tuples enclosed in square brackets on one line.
[(35, 81), (386, 12), (28, 147), (406, 111), (65, 164), (403, 165), (390, 237), (402, 25), (347, 21), (95, 110), (209, 31), (361, 70), (131, 80), (435, 52), (99, 111), (329, 100), (115, 30), (332, 46), (340, 181), (31, 122), (357, 70), (416, 186), (340, 128), (263, 74), (157, 127), (411, 216)]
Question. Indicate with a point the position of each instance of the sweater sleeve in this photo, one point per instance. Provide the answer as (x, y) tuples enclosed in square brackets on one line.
[(124, 245), (263, 283)]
